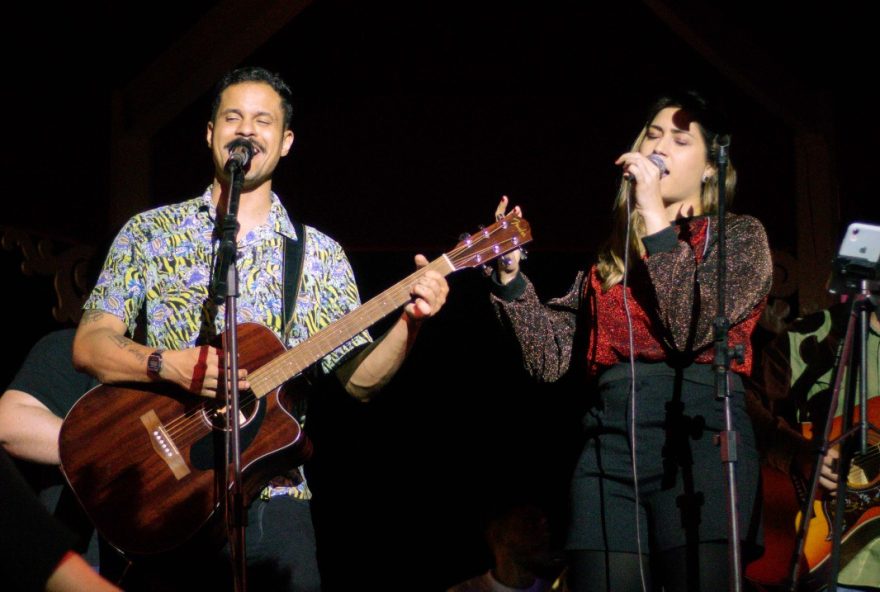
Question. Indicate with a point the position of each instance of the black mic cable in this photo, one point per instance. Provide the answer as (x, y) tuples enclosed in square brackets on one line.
[(632, 380)]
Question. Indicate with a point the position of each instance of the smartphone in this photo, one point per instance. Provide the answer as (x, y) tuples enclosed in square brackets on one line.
[(862, 241), (858, 258)]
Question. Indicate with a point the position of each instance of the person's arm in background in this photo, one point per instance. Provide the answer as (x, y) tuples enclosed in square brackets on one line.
[(73, 574), (35, 551), (28, 429)]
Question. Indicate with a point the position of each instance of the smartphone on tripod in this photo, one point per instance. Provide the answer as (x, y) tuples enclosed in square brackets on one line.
[(858, 258)]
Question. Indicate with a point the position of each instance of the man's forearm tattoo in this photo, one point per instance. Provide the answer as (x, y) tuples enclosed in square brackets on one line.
[(124, 343), (90, 316)]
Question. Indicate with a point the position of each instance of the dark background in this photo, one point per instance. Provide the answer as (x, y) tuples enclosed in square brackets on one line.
[(411, 119)]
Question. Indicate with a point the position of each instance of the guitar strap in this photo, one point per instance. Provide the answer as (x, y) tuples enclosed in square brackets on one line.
[(294, 253)]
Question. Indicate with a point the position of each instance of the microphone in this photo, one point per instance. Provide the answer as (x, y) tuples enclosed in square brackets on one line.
[(658, 162), (240, 153)]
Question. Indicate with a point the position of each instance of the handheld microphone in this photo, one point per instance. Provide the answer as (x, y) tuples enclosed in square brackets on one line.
[(658, 162), (240, 153)]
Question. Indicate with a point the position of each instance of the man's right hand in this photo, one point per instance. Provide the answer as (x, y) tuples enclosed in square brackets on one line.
[(197, 370), (101, 349)]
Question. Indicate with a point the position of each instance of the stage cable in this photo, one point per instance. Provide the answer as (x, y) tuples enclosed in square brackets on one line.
[(632, 392)]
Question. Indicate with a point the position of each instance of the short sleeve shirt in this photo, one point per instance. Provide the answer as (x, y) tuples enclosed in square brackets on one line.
[(162, 260)]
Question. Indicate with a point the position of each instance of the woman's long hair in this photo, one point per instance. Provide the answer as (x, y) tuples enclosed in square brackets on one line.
[(611, 256)]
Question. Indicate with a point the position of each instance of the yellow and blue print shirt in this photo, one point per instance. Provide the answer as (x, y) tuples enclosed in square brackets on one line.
[(162, 259)]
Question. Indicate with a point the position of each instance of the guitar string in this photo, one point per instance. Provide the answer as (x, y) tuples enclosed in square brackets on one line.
[(859, 462), (865, 463), (869, 459), (195, 413), (317, 345), (198, 422), (182, 426), (197, 429), (179, 426), (187, 425)]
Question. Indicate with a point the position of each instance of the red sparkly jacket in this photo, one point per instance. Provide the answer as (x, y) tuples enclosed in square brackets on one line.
[(671, 296)]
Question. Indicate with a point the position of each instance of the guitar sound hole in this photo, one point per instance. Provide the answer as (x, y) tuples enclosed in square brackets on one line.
[(216, 417)]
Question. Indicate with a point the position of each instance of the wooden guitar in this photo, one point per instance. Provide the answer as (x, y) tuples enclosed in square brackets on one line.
[(143, 459), (861, 519), (784, 495)]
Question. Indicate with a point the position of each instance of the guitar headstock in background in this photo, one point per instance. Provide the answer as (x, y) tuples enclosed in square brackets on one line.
[(507, 234)]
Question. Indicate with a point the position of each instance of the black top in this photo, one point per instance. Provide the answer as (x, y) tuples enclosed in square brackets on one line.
[(47, 373)]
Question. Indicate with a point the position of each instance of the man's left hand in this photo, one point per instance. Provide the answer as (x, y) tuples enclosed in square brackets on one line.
[(428, 293)]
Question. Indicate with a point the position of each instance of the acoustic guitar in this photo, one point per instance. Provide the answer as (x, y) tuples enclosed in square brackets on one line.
[(861, 518), (143, 458), (784, 496)]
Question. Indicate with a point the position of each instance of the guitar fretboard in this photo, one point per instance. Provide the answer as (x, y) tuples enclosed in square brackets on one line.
[(275, 373)]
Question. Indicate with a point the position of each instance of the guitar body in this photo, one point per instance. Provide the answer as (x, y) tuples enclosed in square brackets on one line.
[(784, 496), (861, 521), (142, 459)]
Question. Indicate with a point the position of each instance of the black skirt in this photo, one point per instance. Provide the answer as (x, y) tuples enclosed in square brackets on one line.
[(682, 497)]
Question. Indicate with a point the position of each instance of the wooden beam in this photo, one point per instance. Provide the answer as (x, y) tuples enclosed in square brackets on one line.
[(223, 38)]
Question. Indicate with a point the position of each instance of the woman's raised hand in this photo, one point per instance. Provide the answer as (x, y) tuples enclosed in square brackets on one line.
[(508, 265)]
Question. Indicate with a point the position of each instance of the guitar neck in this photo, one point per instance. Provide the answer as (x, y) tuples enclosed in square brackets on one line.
[(275, 373)]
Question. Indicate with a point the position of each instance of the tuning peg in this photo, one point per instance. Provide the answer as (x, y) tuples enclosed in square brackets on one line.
[(486, 270), (523, 254)]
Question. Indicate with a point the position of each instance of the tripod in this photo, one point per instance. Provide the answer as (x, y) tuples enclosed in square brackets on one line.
[(851, 366)]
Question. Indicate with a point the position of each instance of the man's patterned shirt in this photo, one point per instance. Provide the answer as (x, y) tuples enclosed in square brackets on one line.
[(163, 259)]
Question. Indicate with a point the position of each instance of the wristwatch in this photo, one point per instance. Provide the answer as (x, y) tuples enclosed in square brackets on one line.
[(154, 364)]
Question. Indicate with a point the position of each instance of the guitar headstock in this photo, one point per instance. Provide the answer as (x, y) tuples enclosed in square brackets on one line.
[(505, 235)]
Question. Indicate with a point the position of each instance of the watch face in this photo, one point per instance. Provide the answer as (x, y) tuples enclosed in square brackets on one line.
[(154, 362)]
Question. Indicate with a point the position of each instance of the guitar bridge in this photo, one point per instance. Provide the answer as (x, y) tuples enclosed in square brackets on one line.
[(164, 445)]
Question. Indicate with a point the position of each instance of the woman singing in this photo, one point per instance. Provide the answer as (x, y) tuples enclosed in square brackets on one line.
[(648, 492)]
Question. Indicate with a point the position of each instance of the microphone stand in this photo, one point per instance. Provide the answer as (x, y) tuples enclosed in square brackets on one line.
[(226, 289), (724, 354)]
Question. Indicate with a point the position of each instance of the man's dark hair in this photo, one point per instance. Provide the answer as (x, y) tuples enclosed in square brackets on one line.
[(255, 74)]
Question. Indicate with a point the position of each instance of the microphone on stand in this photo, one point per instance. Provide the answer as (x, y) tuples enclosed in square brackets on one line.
[(240, 153)]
